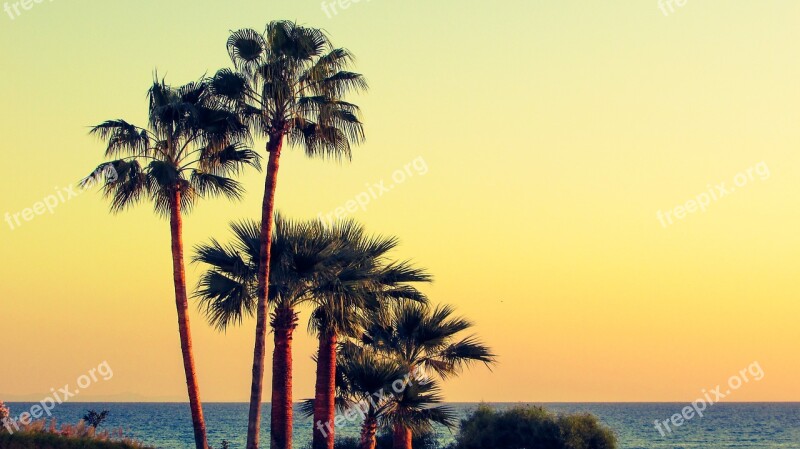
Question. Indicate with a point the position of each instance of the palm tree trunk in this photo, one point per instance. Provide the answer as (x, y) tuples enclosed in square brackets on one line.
[(182, 304), (368, 431), (267, 208), (284, 322), (325, 392), (402, 437)]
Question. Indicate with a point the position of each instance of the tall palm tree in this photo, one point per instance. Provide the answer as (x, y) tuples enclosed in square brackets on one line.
[(344, 299), (189, 150), (424, 339), (287, 83), (301, 252)]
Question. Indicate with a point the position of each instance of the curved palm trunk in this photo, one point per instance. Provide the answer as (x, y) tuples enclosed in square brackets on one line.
[(182, 304), (267, 219), (325, 393), (402, 437), (368, 431), (284, 322)]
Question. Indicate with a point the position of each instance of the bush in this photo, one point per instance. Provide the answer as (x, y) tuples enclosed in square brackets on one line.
[(42, 434), (55, 441), (531, 427)]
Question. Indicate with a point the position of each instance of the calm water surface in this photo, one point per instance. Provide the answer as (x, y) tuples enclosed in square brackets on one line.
[(725, 426)]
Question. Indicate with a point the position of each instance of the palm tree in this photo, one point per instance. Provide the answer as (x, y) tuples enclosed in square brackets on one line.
[(413, 411), (287, 83), (189, 150), (424, 339), (363, 374), (385, 394), (344, 298), (301, 252)]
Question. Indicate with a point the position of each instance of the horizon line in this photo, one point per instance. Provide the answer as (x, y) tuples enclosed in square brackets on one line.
[(446, 402)]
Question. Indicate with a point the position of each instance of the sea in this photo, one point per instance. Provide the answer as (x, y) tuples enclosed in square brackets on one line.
[(723, 425)]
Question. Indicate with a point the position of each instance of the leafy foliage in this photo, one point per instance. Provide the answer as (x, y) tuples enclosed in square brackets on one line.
[(526, 427), (95, 419), (428, 338), (417, 407), (339, 270), (361, 281), (291, 81), (42, 434), (191, 147)]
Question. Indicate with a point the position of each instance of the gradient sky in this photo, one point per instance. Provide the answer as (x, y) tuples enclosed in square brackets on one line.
[(553, 133)]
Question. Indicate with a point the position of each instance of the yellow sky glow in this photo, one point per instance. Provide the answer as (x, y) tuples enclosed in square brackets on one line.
[(552, 134)]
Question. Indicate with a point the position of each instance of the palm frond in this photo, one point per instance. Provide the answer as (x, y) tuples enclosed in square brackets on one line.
[(224, 300), (209, 184), (230, 85), (123, 138), (246, 48), (128, 188)]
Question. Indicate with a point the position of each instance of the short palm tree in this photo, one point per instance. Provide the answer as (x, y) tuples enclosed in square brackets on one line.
[(424, 339), (301, 252), (386, 395), (413, 411), (190, 150), (363, 281), (287, 83), (364, 375)]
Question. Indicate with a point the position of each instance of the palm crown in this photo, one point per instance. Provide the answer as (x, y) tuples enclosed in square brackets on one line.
[(363, 279), (367, 380), (228, 289), (417, 408), (421, 337), (191, 146), (291, 81), (340, 269)]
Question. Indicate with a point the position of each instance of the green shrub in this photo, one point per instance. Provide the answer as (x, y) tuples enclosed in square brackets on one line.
[(531, 427), (584, 431)]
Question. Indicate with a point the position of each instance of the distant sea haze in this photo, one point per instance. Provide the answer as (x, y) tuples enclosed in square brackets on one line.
[(728, 425)]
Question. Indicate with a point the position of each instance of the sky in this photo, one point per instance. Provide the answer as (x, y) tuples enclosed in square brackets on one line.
[(609, 190)]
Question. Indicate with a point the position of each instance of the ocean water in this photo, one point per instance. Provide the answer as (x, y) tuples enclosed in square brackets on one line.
[(724, 426)]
